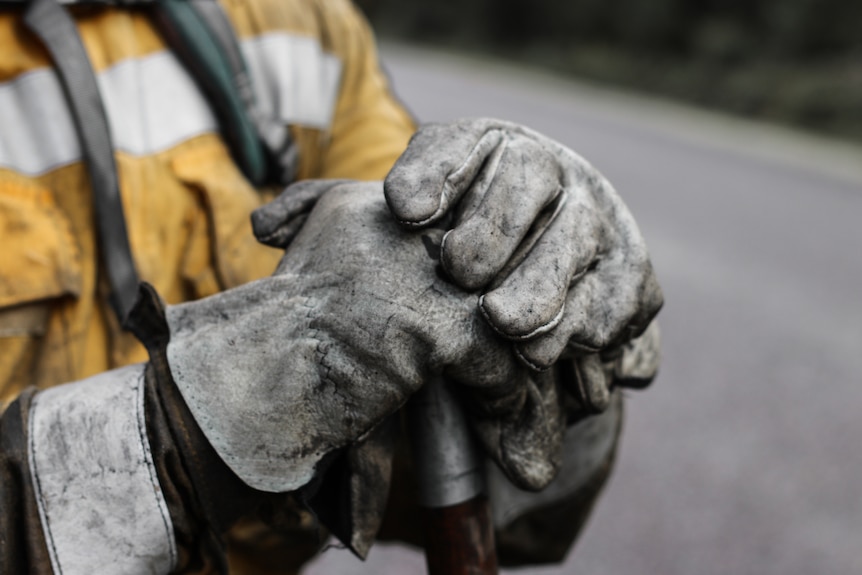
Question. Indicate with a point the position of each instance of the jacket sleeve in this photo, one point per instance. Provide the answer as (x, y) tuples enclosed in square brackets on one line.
[(315, 67), (111, 474), (370, 127)]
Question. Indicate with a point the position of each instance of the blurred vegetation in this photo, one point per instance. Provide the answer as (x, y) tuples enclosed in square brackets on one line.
[(790, 61)]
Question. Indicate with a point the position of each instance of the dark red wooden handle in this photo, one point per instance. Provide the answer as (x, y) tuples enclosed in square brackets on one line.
[(459, 540)]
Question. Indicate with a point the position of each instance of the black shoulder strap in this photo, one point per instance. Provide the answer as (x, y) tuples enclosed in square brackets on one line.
[(57, 31), (202, 37)]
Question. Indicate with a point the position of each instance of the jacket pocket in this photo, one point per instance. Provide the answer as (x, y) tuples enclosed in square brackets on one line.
[(39, 263), (229, 200)]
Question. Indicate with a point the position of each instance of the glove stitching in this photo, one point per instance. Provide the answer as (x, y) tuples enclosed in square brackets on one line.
[(443, 204), (542, 329), (529, 363), (441, 259)]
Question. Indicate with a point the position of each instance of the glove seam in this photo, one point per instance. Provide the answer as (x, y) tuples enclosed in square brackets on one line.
[(542, 329), (530, 364), (443, 203)]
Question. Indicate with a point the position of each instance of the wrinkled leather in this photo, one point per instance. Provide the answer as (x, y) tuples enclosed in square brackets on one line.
[(283, 371), (589, 379), (23, 548), (558, 258), (523, 437)]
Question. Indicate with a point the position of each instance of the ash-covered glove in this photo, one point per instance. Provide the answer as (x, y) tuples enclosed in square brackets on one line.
[(544, 237), (590, 378), (519, 419), (556, 257), (285, 370)]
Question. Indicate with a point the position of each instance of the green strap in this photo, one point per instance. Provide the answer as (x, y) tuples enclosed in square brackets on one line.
[(194, 44)]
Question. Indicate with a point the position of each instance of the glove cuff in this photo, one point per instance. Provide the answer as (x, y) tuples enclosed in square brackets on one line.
[(204, 497), (348, 491), (94, 476)]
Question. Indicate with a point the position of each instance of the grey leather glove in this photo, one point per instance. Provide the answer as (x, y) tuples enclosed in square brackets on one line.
[(558, 262), (544, 237), (285, 370)]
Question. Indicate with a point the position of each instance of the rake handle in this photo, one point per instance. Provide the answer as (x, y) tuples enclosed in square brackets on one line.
[(459, 532)]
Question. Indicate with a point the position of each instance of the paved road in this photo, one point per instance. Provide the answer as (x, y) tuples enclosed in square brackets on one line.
[(746, 455)]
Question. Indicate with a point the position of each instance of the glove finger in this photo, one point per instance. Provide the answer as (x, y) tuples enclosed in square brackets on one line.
[(277, 223), (527, 444), (530, 300), (591, 384), (519, 180), (439, 165), (640, 359), (476, 357), (605, 307)]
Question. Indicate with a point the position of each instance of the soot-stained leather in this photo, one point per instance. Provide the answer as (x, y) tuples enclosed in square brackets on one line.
[(205, 498), (22, 544), (284, 370), (551, 246)]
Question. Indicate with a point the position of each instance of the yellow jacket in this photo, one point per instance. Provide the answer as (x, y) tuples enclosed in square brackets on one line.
[(313, 62), (187, 206)]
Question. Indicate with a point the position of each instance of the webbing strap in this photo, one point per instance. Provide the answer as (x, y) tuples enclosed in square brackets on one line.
[(210, 63), (272, 132), (57, 31), (96, 2), (201, 35)]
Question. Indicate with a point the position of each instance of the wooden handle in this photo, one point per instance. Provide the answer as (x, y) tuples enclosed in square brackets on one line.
[(459, 540), (459, 532)]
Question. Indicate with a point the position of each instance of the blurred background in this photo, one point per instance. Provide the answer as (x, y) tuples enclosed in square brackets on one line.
[(728, 128), (790, 61)]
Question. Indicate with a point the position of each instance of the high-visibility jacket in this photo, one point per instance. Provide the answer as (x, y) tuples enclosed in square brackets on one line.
[(314, 66), (312, 62)]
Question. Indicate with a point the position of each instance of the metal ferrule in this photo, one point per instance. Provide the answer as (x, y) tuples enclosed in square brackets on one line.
[(449, 468)]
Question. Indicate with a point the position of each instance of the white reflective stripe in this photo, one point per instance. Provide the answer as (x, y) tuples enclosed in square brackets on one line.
[(36, 129), (294, 80), (153, 104), (99, 499)]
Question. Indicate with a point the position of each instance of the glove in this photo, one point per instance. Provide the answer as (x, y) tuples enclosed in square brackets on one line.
[(281, 372), (519, 206), (556, 255), (591, 378)]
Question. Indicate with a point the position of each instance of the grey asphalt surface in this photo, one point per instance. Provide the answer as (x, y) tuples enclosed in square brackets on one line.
[(745, 457)]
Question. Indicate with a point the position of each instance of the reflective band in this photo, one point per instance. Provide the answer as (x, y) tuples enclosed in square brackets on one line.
[(293, 79), (153, 104), (36, 129), (99, 499)]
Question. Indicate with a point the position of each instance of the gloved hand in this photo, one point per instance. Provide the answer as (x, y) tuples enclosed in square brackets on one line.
[(557, 256), (559, 261), (283, 371)]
